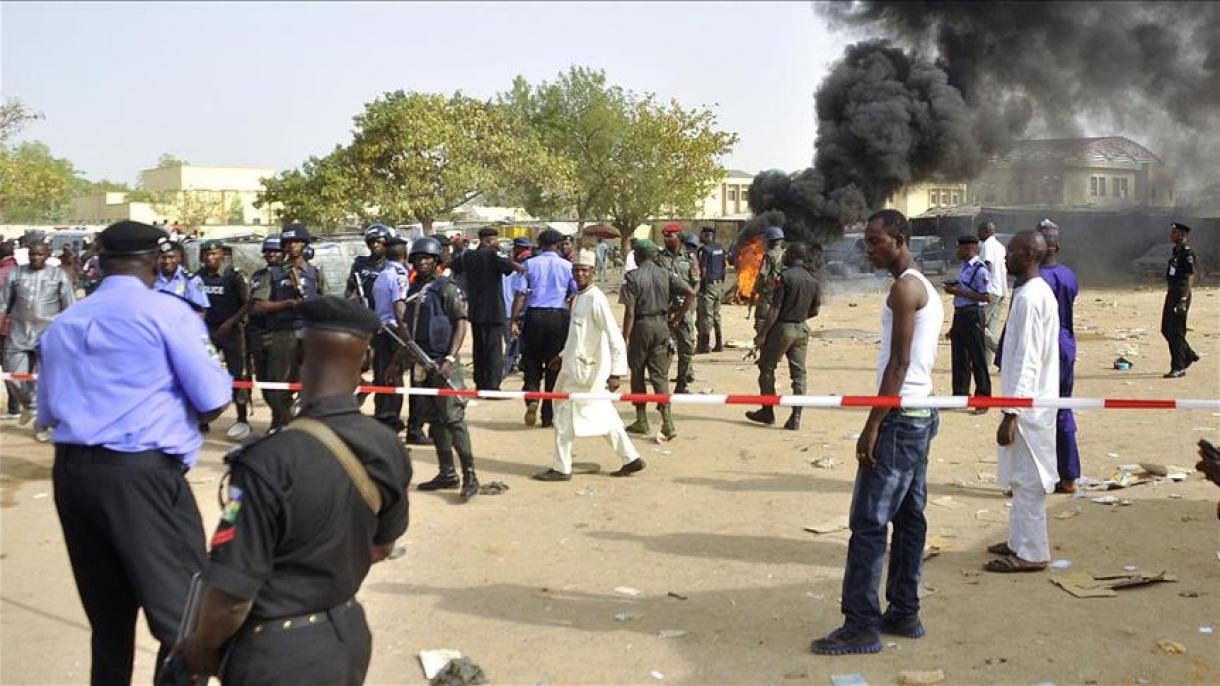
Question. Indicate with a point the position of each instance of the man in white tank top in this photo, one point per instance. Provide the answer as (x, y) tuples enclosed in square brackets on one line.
[(891, 479)]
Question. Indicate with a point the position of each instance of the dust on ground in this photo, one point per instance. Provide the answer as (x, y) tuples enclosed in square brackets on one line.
[(712, 536)]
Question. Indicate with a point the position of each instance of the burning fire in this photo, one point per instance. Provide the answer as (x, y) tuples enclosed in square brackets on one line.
[(749, 262)]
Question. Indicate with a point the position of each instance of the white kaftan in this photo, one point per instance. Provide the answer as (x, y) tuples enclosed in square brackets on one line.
[(594, 352), (1030, 369)]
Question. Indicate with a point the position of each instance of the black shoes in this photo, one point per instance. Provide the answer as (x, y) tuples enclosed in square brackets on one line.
[(630, 468), (443, 480), (907, 627), (1174, 374), (418, 437), (844, 641), (794, 420), (1191, 358), (763, 415), (470, 485)]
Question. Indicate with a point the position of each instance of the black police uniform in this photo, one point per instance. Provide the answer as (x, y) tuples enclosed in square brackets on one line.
[(285, 282), (1173, 323), (296, 538), (430, 318), (712, 270), (362, 277), (227, 293)]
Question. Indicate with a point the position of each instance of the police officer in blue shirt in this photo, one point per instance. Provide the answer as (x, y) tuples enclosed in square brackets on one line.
[(173, 278), (387, 294), (540, 318), (966, 334), (276, 300), (127, 376)]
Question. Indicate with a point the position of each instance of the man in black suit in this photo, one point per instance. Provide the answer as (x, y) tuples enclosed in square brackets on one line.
[(483, 270)]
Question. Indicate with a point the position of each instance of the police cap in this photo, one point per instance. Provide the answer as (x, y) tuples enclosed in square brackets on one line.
[(488, 232), (522, 243), (427, 245), (295, 232), (377, 232), (967, 239), (130, 238), (211, 244), (272, 243), (394, 239), (1180, 227), (168, 244), (333, 313)]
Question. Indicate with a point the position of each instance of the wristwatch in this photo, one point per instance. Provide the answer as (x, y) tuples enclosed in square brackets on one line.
[(450, 359)]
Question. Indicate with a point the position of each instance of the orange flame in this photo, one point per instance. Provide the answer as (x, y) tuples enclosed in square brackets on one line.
[(749, 262)]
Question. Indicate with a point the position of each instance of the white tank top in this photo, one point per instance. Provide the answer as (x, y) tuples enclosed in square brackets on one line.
[(928, 320)]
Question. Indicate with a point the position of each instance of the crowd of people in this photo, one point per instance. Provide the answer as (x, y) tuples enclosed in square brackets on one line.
[(132, 375)]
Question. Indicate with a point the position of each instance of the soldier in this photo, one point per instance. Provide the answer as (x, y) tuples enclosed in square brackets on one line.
[(679, 261), (256, 324), (797, 297), (366, 268), (127, 376), (433, 314), (711, 271), (308, 511), (228, 294), (764, 282), (277, 299), (1180, 276), (647, 293)]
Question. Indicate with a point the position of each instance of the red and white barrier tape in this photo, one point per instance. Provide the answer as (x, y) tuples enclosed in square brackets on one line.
[(940, 402)]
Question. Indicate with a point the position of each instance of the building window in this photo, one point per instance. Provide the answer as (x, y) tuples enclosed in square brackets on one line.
[(1120, 187), (934, 198), (957, 199), (733, 194)]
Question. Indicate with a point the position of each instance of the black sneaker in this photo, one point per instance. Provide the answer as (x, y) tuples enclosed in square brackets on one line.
[(1174, 374), (439, 482), (907, 627), (844, 641)]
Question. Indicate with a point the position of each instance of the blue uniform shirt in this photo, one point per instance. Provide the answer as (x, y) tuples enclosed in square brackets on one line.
[(548, 280), (129, 369), (391, 286), (185, 286), (973, 277)]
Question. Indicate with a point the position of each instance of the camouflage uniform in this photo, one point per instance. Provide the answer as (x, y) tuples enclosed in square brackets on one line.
[(764, 284), (685, 265)]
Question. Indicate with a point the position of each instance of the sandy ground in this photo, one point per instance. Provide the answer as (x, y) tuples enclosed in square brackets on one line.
[(524, 582)]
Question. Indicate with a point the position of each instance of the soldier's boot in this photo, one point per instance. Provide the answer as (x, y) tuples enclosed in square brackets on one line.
[(470, 484), (640, 426), (719, 347), (763, 415), (794, 420), (667, 422), (702, 348), (445, 477)]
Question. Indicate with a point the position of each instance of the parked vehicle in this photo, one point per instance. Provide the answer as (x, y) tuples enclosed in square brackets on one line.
[(846, 257), (931, 254)]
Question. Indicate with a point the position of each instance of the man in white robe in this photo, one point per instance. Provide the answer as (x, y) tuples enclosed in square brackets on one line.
[(594, 359), (1027, 461)]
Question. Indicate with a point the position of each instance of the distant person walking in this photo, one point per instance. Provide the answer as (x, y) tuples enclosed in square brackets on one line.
[(1180, 277), (992, 251)]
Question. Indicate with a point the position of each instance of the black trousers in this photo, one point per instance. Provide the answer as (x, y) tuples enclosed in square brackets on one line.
[(233, 351), (488, 349), (969, 351), (335, 651), (135, 538), (542, 338), (1173, 328), (387, 407), (283, 364)]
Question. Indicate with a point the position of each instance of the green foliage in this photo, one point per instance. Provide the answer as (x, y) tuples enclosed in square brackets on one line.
[(14, 115), (35, 186), (236, 214), (170, 160), (324, 193)]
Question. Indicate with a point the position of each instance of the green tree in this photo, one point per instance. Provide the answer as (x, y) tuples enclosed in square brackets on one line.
[(170, 160), (14, 115), (581, 119), (423, 155), (325, 193), (667, 162), (35, 186)]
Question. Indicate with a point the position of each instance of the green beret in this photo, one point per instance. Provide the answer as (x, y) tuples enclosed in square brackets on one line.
[(646, 244), (211, 244)]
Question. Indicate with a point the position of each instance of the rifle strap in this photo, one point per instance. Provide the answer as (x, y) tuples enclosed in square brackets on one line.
[(343, 454)]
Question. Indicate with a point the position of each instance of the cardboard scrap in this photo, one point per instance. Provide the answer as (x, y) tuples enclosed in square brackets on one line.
[(828, 526), (1170, 647), (1106, 585), (433, 661), (911, 677)]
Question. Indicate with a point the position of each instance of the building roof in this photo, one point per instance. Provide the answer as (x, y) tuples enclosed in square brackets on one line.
[(1097, 150), (737, 174)]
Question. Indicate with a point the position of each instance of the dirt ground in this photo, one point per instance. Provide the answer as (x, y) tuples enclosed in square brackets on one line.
[(712, 535)]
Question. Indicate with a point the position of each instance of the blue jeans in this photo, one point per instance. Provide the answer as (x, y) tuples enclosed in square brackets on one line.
[(894, 490)]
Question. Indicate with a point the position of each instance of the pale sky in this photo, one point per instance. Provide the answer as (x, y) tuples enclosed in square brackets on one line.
[(268, 84)]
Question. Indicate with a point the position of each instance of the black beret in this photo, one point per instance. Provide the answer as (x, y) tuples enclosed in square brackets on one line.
[(334, 313), (1180, 227), (967, 239), (550, 237), (488, 231), (130, 238), (442, 239)]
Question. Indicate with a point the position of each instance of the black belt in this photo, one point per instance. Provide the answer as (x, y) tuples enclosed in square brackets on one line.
[(654, 315), (546, 309), (73, 453), (792, 321), (283, 624), (969, 307)]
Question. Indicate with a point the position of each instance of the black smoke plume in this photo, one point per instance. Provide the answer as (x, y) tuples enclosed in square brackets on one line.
[(1147, 70), (886, 118)]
